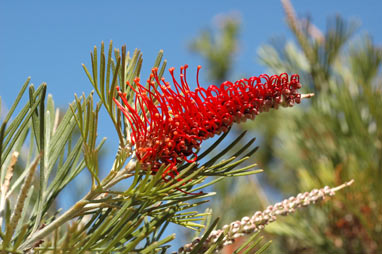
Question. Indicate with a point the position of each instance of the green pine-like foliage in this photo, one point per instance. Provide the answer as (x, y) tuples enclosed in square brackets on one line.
[(43, 149)]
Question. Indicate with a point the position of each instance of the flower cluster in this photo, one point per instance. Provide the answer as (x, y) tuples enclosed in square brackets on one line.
[(249, 225), (168, 124)]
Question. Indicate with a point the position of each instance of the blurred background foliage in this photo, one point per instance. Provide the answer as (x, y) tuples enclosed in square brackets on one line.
[(332, 138)]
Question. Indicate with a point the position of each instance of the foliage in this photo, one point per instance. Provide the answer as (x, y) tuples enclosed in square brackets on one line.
[(105, 220), (335, 137), (41, 152)]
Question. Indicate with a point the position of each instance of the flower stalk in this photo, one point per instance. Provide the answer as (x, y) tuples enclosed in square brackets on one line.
[(248, 225)]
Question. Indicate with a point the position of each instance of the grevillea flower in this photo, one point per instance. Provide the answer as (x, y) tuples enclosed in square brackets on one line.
[(170, 123)]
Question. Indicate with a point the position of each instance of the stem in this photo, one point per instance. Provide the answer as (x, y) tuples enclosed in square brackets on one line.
[(307, 95), (122, 174), (76, 209), (58, 222), (343, 185)]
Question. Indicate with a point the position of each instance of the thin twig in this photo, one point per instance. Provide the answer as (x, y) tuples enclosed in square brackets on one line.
[(307, 95)]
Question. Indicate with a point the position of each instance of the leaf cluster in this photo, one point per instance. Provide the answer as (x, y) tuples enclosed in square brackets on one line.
[(61, 145)]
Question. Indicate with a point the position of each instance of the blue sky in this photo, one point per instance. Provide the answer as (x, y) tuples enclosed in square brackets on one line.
[(48, 40)]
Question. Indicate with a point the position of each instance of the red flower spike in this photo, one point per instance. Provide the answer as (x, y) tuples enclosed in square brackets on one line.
[(173, 123)]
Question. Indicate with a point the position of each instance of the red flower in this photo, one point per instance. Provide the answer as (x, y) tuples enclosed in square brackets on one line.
[(169, 124)]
